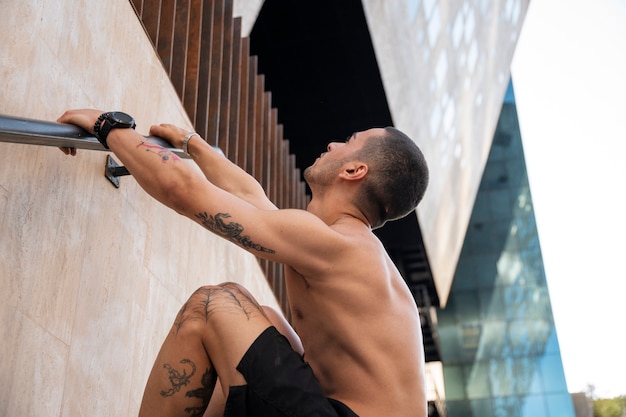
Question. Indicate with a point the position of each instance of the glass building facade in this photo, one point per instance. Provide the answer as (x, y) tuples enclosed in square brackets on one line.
[(499, 346)]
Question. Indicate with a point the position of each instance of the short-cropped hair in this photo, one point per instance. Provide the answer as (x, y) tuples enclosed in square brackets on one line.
[(397, 177)]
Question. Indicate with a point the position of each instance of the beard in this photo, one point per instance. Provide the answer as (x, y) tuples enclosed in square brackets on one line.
[(322, 172)]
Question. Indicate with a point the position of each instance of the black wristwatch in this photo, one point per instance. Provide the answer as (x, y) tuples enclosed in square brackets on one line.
[(109, 121)]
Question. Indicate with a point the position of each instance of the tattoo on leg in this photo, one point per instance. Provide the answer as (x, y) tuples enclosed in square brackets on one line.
[(208, 385), (181, 317), (178, 379), (159, 150), (207, 300), (231, 231)]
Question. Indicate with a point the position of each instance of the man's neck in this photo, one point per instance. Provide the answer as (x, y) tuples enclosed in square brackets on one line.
[(339, 212)]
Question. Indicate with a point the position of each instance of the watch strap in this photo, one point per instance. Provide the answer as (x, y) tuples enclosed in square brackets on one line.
[(96, 128), (107, 122)]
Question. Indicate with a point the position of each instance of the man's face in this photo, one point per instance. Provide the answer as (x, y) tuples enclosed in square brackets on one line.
[(325, 169)]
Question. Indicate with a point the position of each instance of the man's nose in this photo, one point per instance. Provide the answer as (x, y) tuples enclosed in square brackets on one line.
[(333, 145)]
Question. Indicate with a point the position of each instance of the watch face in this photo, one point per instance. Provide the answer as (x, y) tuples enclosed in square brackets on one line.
[(123, 118)]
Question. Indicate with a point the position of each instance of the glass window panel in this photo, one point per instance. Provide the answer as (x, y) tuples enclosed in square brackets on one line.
[(552, 374), (480, 408), (507, 406), (493, 343), (454, 382), (450, 345), (492, 304), (486, 270), (552, 345), (478, 380), (533, 406), (464, 277), (525, 373), (560, 405), (466, 305), (501, 377), (459, 408), (500, 202)]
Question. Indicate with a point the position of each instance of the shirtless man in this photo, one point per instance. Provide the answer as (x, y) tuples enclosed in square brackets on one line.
[(352, 311)]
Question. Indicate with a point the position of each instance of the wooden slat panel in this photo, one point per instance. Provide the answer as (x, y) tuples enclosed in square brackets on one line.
[(192, 70), (204, 75), (217, 43), (166, 33), (209, 63)]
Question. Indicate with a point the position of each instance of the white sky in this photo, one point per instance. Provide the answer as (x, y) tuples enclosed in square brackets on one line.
[(569, 76)]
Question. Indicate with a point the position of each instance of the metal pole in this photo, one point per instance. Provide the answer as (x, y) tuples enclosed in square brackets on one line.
[(42, 133)]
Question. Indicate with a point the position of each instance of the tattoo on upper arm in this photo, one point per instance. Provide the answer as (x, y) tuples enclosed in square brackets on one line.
[(163, 153), (231, 231)]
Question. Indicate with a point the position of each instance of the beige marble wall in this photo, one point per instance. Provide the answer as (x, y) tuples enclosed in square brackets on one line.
[(91, 275)]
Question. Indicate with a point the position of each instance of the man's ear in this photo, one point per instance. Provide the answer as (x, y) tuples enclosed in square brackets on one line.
[(355, 170)]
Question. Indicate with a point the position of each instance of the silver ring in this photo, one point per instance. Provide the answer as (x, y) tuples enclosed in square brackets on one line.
[(186, 141)]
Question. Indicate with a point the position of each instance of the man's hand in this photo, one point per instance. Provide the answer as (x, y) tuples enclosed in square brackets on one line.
[(84, 118), (173, 134)]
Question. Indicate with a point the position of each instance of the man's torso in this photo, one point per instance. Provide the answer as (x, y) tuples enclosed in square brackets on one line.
[(361, 333)]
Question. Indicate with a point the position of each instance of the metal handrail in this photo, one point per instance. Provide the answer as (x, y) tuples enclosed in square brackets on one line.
[(60, 135)]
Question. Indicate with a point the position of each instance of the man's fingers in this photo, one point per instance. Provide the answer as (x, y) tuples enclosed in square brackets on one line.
[(68, 151)]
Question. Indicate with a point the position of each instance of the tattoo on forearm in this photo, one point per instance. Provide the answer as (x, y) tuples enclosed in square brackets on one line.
[(231, 231), (163, 153), (178, 379), (204, 393)]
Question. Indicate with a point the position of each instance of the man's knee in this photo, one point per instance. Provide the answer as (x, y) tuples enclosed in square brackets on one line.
[(210, 300)]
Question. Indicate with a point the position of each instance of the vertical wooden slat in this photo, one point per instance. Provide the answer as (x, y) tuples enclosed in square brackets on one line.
[(179, 46), (225, 84), (217, 44), (275, 165), (243, 104), (266, 150), (192, 70), (293, 185), (285, 163), (235, 93), (258, 129), (150, 15), (252, 115), (138, 6), (204, 75), (166, 33)]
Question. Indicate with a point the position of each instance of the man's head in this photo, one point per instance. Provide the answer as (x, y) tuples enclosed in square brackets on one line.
[(389, 167)]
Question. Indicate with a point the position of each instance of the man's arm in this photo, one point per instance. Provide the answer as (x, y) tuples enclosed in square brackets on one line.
[(294, 237), (218, 169)]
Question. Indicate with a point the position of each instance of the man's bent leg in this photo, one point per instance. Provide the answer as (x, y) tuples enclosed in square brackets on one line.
[(210, 335), (216, 405)]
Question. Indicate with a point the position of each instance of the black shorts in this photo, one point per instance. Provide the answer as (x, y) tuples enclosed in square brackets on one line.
[(280, 383)]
